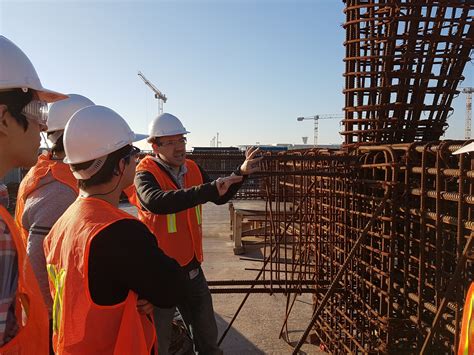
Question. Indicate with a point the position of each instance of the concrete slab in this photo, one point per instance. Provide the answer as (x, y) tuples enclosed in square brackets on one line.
[(256, 329)]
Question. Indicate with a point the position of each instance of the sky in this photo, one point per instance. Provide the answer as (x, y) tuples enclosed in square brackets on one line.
[(243, 69)]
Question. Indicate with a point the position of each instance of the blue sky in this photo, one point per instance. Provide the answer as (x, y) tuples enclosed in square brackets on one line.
[(245, 69)]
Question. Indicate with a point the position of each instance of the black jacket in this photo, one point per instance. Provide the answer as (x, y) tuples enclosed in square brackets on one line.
[(125, 256), (153, 199)]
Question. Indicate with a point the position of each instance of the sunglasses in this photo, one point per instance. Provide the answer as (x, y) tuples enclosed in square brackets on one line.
[(37, 110)]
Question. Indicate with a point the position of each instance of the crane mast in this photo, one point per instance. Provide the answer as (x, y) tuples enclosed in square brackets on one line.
[(467, 129)]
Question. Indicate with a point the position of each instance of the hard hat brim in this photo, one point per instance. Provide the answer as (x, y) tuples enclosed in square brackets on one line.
[(50, 95), (168, 134), (466, 149)]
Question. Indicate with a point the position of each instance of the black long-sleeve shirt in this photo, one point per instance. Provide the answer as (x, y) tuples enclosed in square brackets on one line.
[(125, 256), (155, 200)]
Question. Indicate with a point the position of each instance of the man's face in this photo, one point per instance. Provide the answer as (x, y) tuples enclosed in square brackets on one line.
[(172, 149), (22, 146)]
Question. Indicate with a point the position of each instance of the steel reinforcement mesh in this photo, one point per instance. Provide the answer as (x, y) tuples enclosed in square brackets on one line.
[(413, 206), (220, 164), (404, 60)]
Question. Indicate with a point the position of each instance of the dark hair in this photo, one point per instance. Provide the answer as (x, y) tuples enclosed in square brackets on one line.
[(107, 171), (154, 140), (16, 100), (58, 147)]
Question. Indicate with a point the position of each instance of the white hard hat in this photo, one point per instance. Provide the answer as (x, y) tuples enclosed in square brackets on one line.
[(165, 125), (94, 132), (17, 72), (60, 112), (465, 149)]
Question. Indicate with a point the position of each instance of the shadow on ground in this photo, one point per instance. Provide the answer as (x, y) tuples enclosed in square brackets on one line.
[(234, 342)]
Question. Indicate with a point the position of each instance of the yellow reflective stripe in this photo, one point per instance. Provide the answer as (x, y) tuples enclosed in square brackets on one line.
[(198, 214), (171, 223), (57, 280)]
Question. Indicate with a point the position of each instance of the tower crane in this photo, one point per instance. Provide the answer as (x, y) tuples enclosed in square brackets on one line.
[(316, 119), (467, 130), (158, 94)]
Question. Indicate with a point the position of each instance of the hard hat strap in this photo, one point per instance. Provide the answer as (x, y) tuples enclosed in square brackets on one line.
[(91, 170)]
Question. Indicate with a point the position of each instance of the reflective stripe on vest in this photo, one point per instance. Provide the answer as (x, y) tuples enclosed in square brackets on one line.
[(179, 235), (171, 220), (33, 335), (171, 223), (198, 214), (60, 171), (466, 344), (80, 325), (57, 279)]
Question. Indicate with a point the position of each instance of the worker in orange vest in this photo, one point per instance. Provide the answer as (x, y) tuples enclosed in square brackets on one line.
[(100, 259), (47, 191), (466, 345), (170, 190), (23, 112)]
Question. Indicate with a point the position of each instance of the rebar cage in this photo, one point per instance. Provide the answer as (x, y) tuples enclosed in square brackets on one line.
[(404, 60), (394, 285)]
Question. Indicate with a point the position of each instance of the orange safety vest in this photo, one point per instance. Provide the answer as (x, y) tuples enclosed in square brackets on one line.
[(466, 345), (79, 325), (179, 234), (31, 312), (30, 182), (131, 194)]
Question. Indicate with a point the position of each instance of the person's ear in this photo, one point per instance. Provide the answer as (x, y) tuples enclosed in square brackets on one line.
[(120, 168), (3, 110)]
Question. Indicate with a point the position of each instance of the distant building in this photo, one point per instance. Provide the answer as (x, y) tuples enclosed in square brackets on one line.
[(309, 146), (284, 146), (220, 150), (223, 161), (217, 161)]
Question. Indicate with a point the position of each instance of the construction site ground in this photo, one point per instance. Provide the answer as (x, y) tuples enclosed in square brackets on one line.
[(257, 328)]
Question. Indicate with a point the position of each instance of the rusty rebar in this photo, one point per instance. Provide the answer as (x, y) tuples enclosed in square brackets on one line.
[(338, 276)]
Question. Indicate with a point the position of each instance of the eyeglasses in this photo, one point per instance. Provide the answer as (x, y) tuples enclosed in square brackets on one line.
[(173, 143), (36, 110), (132, 153)]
